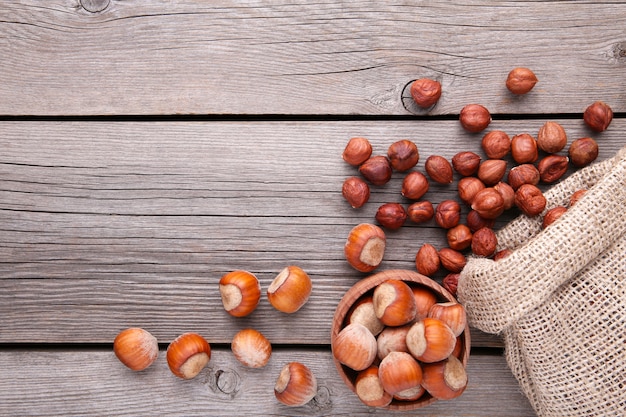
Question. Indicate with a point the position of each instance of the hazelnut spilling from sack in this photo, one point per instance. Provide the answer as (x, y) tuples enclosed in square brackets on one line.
[(559, 298)]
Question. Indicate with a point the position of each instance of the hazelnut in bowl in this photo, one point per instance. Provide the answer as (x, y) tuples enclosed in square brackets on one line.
[(401, 341)]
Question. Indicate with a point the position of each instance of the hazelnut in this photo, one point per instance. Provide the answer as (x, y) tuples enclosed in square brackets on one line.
[(598, 116), (474, 118), (357, 151), (491, 171), (468, 187), (523, 174), (187, 355), (452, 314), (530, 200), (365, 247), (377, 170), (355, 347), (296, 385), (552, 167), (414, 185), (459, 237), (398, 372), (392, 339), (484, 242), (521, 80), (474, 221), (489, 203), (551, 137), (136, 348), (391, 215), (370, 390), (427, 260), (507, 193), (466, 163), (553, 215), (524, 148), (496, 144), (251, 348), (583, 151), (501, 254), (452, 260), (444, 380), (425, 298), (425, 92), (430, 340), (240, 292), (363, 312), (421, 211), (439, 169), (394, 303), (448, 214), (576, 196), (450, 282), (290, 289), (403, 155), (355, 191)]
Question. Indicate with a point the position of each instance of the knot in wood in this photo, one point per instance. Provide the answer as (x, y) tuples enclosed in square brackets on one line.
[(228, 382), (94, 6)]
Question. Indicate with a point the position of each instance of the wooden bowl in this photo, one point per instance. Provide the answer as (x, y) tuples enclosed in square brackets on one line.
[(366, 287)]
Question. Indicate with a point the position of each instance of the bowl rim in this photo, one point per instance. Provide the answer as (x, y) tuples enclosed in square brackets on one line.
[(366, 285)]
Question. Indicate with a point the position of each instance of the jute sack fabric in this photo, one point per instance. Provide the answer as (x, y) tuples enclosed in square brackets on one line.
[(559, 300)]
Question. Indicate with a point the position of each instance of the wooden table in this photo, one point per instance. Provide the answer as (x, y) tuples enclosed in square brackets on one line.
[(149, 147)]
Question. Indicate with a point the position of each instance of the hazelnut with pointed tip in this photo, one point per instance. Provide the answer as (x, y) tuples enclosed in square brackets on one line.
[(290, 290)]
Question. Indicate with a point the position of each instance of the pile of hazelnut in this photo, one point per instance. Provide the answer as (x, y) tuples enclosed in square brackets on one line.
[(485, 186), (240, 291)]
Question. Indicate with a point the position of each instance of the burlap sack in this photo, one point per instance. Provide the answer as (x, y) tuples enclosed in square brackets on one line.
[(559, 300)]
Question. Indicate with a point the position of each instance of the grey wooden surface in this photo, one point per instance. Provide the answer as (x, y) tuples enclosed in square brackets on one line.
[(147, 148)]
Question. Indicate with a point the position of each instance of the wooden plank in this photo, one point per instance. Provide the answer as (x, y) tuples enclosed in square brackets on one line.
[(109, 225), (88, 382), (181, 57)]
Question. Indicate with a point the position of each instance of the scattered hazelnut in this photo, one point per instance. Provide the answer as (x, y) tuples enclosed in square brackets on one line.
[(576, 196), (523, 174), (355, 191), (403, 155), (427, 260), (394, 303), (488, 203), (507, 192), (598, 116), (552, 167), (551, 137), (445, 380), (425, 92), (491, 171), (583, 151), (357, 151), (474, 221), (377, 170), (136, 348), (450, 282), (530, 200), (452, 260), (296, 385), (187, 355), (355, 347), (251, 348), (365, 247), (484, 242), (414, 185), (391, 215), (521, 80), (398, 372), (459, 237), (468, 187), (496, 144), (439, 169), (370, 390), (553, 215), (501, 254), (474, 118), (448, 214), (466, 163), (421, 211), (524, 148), (240, 292), (290, 290)]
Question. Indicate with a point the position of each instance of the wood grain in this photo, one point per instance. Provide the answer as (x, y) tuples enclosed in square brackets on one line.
[(93, 382), (105, 225), (180, 57)]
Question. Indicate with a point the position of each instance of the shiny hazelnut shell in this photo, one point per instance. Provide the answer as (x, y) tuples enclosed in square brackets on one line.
[(520, 80), (414, 185), (251, 348), (377, 170), (420, 211), (430, 340), (399, 371), (355, 347), (290, 289), (524, 148), (394, 303), (466, 163), (391, 215), (240, 292), (136, 348), (452, 314), (439, 169), (474, 118), (370, 390), (357, 151), (362, 311), (187, 355), (403, 155), (365, 247), (444, 380), (296, 385)]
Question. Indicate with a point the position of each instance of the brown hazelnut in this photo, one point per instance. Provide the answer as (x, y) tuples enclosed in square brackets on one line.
[(452, 260), (467, 188), (448, 214), (459, 237), (439, 169), (421, 211), (553, 215), (474, 221), (488, 203), (524, 148), (583, 151), (365, 247), (466, 163), (403, 155), (391, 215), (484, 242), (501, 254), (576, 196), (355, 191), (530, 200), (521, 80), (427, 260), (507, 192), (496, 144), (492, 171), (474, 118), (425, 92), (551, 137), (377, 170), (598, 116), (450, 282), (552, 167), (414, 185), (357, 151), (523, 174)]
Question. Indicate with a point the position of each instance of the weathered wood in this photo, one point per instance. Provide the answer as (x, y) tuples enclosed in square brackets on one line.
[(108, 225), (93, 382), (181, 57)]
